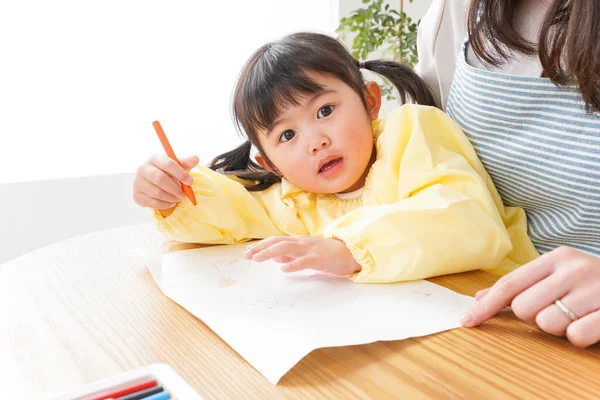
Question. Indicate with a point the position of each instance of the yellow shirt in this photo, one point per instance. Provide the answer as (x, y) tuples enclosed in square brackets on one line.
[(428, 207)]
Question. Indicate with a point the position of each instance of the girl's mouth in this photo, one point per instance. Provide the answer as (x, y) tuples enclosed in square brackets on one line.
[(331, 166)]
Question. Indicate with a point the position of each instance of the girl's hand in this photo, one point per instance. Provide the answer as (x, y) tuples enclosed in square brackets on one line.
[(564, 274), (157, 183), (305, 252)]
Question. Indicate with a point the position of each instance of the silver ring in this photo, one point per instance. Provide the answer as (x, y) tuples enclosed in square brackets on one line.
[(565, 310)]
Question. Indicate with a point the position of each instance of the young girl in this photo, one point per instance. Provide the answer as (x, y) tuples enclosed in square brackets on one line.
[(333, 188)]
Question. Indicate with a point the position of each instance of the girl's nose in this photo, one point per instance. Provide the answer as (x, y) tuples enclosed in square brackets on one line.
[(320, 143)]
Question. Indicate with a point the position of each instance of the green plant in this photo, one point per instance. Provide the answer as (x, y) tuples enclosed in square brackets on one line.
[(377, 27)]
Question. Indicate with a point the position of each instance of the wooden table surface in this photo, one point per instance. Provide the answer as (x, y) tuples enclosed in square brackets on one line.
[(87, 308)]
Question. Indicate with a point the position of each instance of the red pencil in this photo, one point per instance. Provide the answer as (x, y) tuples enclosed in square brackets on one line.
[(129, 389), (169, 150)]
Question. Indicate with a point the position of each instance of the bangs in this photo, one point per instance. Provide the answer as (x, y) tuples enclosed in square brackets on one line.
[(276, 78), (267, 95)]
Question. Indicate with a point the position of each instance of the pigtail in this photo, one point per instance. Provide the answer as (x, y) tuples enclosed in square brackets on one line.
[(237, 162), (409, 84)]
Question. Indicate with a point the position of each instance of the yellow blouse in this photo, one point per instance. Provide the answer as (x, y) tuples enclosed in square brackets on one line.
[(428, 207)]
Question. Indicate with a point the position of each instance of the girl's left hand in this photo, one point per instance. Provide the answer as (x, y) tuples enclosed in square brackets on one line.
[(305, 252)]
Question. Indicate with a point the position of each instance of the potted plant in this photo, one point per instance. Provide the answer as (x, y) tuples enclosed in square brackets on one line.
[(378, 27)]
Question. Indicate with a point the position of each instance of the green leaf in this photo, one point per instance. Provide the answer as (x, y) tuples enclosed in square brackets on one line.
[(379, 28)]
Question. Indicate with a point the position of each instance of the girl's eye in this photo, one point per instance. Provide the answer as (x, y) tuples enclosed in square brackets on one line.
[(325, 111), (287, 136)]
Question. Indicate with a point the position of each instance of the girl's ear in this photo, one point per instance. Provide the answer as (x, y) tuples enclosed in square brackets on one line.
[(372, 93), (261, 161)]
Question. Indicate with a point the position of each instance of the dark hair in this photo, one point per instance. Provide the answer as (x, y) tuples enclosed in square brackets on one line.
[(276, 75), (568, 44)]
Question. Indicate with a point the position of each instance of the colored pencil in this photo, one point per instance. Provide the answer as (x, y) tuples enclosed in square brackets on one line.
[(142, 394), (169, 150), (127, 389), (158, 396)]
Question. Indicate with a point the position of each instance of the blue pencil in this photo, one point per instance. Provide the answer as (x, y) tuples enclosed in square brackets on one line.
[(158, 396)]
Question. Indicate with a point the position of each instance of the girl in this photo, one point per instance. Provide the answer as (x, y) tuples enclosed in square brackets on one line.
[(522, 78), (333, 188)]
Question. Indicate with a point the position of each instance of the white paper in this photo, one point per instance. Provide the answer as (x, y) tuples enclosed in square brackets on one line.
[(273, 319)]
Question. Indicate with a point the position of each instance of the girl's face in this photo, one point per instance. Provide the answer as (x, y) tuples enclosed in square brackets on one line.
[(324, 145)]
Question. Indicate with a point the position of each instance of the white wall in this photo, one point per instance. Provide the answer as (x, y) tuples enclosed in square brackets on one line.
[(82, 81), (35, 214)]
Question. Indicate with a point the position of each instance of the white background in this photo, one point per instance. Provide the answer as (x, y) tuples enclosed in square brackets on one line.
[(82, 81)]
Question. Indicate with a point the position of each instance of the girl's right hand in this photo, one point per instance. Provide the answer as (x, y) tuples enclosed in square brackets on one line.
[(157, 182)]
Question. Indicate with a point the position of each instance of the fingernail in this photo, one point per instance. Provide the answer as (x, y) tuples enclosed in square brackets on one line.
[(247, 254), (467, 319), (188, 180)]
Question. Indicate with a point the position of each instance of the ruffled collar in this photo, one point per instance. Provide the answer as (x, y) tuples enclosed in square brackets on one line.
[(357, 194)]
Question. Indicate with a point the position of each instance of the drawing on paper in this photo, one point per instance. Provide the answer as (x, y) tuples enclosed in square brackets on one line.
[(268, 302), (300, 296), (229, 269), (274, 298), (224, 264), (421, 292), (227, 282), (233, 271)]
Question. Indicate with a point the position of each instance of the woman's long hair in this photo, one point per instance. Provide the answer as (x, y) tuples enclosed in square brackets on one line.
[(568, 45)]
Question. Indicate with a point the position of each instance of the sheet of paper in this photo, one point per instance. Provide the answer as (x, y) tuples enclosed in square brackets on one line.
[(274, 319)]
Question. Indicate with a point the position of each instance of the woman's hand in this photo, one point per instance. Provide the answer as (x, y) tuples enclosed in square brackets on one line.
[(157, 183), (305, 252), (565, 274)]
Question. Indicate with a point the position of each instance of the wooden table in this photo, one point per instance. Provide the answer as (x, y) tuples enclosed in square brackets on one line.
[(87, 308)]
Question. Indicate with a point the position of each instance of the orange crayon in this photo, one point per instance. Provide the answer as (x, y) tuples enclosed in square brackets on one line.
[(169, 150)]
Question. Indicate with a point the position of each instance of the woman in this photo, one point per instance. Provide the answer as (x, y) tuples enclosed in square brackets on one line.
[(522, 78)]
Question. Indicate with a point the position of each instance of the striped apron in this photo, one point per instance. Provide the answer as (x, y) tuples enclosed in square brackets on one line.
[(540, 148)]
